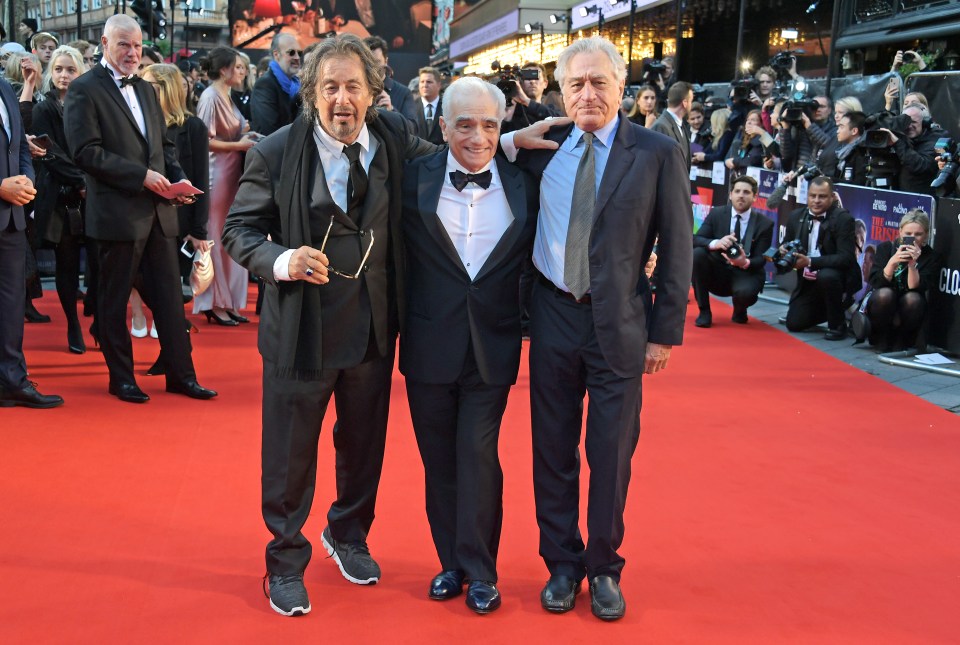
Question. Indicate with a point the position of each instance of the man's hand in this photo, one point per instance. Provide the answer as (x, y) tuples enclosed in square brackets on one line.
[(156, 182), (656, 358), (805, 119), (17, 190), (755, 98), (310, 265), (891, 93), (742, 262), (723, 243), (531, 137), (803, 261), (384, 101), (520, 96), (891, 137), (651, 265)]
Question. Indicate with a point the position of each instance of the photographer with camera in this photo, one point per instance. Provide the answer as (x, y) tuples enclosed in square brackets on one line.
[(822, 249), (846, 159), (908, 56), (915, 147), (904, 270), (728, 253), (526, 107)]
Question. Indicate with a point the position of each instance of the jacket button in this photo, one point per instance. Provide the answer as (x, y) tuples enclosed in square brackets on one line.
[(362, 233)]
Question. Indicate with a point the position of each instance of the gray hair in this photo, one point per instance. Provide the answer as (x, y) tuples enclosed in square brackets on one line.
[(120, 22), (63, 50), (462, 88), (589, 46), (340, 46)]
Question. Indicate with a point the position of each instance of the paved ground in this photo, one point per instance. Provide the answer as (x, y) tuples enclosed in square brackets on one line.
[(939, 389)]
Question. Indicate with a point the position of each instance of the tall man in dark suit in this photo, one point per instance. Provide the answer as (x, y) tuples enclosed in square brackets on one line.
[(117, 135), (827, 270), (395, 96), (605, 196), (429, 108), (16, 189), (326, 190), (468, 221), (275, 101), (739, 274), (673, 121)]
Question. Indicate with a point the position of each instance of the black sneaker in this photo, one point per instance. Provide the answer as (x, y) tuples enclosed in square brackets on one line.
[(288, 596), (353, 558)]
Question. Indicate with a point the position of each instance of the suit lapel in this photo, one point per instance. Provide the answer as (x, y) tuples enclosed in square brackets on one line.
[(749, 234), (620, 159), (106, 79), (512, 179), (429, 184)]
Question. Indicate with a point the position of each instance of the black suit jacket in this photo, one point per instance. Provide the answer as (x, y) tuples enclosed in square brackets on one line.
[(665, 124), (56, 170), (107, 145), (274, 200), (645, 193), (402, 99), (435, 134), (18, 157), (838, 244), (270, 107), (755, 240), (192, 140), (447, 312)]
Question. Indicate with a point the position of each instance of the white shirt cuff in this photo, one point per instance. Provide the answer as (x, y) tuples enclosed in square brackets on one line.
[(281, 267), (509, 149)]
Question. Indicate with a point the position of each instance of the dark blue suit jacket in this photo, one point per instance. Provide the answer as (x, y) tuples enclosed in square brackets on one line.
[(18, 157)]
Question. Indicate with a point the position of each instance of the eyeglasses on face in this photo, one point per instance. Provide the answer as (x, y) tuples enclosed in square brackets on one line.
[(294, 52)]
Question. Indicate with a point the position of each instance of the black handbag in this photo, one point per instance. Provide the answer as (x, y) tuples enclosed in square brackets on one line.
[(859, 322)]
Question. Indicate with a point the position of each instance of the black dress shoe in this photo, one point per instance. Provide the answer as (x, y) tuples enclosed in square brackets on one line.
[(446, 585), (705, 319), (836, 334), (212, 317), (128, 392), (482, 597), (739, 316), (559, 594), (28, 397), (31, 315), (606, 599), (237, 318), (192, 389)]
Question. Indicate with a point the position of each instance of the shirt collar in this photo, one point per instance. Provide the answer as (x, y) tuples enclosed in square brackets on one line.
[(453, 164), (676, 119), (744, 215), (426, 102), (604, 135), (335, 147)]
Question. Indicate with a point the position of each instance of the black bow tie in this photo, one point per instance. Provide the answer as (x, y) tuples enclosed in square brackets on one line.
[(129, 80), (819, 218), (460, 179)]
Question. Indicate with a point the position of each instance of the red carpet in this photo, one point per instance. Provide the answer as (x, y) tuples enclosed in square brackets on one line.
[(809, 503)]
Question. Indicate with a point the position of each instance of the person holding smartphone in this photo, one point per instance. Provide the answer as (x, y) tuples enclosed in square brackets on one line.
[(903, 272)]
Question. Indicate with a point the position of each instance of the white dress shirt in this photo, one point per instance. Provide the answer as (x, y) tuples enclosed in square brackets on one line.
[(475, 219), (336, 171), (6, 120), (129, 96), (433, 110), (744, 221)]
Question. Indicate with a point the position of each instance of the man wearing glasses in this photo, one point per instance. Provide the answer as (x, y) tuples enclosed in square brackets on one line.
[(275, 102), (326, 190)]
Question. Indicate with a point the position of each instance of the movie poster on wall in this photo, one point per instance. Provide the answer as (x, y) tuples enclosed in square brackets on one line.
[(404, 24)]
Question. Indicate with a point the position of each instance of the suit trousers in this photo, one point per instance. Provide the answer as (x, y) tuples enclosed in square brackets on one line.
[(13, 301), (293, 411), (712, 274), (566, 362), (815, 301), (457, 427), (151, 265)]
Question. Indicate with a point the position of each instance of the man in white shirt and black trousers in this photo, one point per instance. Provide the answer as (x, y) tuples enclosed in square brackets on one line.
[(468, 219)]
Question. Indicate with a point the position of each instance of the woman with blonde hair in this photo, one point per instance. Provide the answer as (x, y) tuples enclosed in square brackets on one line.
[(241, 95), (845, 106), (722, 136)]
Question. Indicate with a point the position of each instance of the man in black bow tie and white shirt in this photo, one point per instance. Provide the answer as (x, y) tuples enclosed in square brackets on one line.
[(468, 220)]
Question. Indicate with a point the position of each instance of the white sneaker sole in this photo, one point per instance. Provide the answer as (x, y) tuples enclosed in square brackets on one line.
[(336, 558), (296, 611)]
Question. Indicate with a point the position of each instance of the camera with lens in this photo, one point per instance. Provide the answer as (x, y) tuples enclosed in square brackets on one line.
[(787, 260), (652, 70), (808, 171), (743, 87), (509, 75), (733, 252), (795, 108), (883, 164), (947, 151)]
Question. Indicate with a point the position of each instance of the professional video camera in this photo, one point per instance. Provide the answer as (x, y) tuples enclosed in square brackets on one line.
[(786, 261), (653, 69), (798, 103), (509, 74), (782, 63), (883, 164), (701, 94), (947, 151), (743, 87), (808, 171)]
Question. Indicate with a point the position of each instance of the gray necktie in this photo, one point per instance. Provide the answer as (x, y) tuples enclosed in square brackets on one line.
[(576, 259), (429, 116)]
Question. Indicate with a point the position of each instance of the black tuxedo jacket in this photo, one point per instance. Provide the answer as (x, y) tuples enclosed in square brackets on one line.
[(435, 134), (192, 140), (838, 244), (274, 200), (447, 312), (107, 145), (665, 124), (18, 157), (756, 239), (402, 99), (55, 171), (270, 107), (644, 193)]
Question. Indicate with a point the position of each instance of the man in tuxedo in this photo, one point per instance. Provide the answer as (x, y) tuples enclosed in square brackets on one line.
[(468, 220), (16, 189), (275, 101), (429, 109), (606, 195), (718, 270), (827, 268), (395, 95), (317, 214), (116, 133), (673, 121)]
